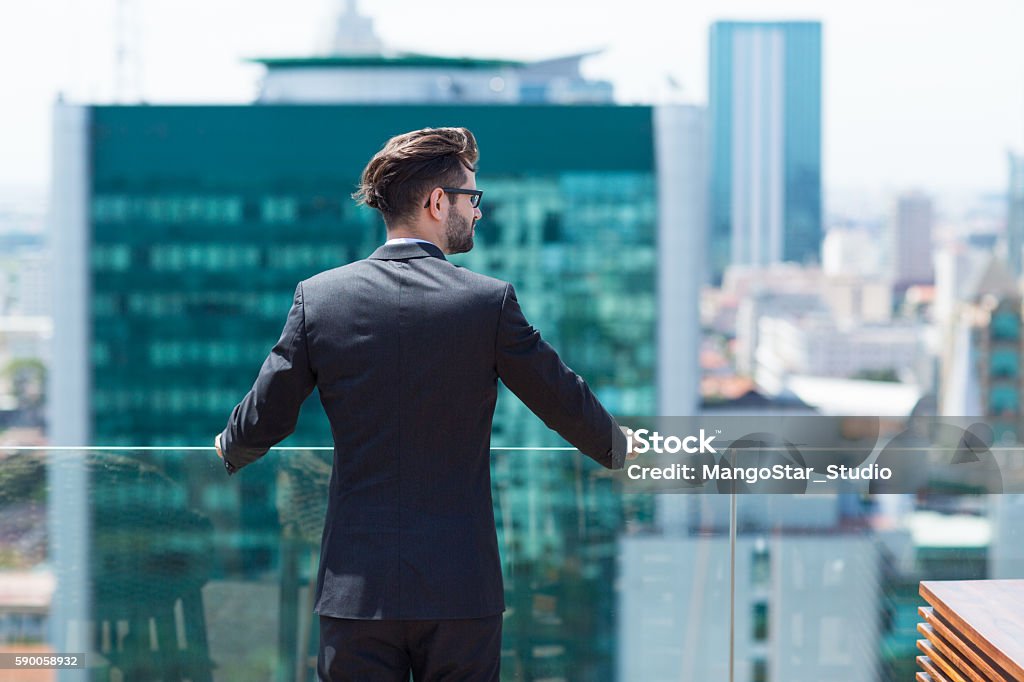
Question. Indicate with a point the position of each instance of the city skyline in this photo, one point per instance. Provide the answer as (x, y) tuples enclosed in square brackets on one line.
[(911, 100)]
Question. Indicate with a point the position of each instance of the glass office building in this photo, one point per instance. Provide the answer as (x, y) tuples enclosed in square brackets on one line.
[(203, 220), (198, 222), (765, 115)]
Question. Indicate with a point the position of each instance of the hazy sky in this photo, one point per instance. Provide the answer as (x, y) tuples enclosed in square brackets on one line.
[(917, 94)]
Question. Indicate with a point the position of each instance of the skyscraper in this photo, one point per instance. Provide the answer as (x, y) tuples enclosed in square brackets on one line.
[(765, 116), (912, 222), (982, 378), (181, 232), (199, 220), (1015, 214)]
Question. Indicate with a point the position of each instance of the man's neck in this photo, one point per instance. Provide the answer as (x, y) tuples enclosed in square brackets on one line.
[(407, 233)]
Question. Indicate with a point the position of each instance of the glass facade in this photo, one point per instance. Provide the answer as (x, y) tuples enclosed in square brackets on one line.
[(765, 153), (203, 219), (997, 353)]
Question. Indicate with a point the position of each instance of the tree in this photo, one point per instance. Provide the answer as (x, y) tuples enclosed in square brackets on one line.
[(28, 381)]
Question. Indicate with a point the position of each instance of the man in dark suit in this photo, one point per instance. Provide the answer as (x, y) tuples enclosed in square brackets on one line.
[(406, 350)]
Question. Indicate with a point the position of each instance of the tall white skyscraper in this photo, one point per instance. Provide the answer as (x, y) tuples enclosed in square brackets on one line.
[(681, 157), (765, 111)]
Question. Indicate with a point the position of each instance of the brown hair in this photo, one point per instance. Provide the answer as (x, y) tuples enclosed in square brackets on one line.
[(412, 164)]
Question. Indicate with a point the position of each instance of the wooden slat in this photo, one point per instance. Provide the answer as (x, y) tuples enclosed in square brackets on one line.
[(947, 668), (961, 663), (923, 677), (930, 670), (987, 613), (989, 668)]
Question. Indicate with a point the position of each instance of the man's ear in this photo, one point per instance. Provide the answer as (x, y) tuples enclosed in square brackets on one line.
[(435, 203)]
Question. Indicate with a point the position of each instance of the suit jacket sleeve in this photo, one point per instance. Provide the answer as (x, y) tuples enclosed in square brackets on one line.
[(268, 413), (532, 370)]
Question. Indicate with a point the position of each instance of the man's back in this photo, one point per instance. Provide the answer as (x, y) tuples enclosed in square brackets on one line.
[(403, 346), (406, 350)]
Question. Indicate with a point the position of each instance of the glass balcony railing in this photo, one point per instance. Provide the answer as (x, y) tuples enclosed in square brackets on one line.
[(156, 565)]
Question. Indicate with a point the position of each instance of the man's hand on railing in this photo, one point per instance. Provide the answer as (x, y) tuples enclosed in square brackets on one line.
[(630, 454), (216, 444)]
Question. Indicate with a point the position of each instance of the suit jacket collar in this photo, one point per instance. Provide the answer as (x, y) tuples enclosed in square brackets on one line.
[(407, 250)]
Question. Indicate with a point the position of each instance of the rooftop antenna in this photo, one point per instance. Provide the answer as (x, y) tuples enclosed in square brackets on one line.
[(128, 57)]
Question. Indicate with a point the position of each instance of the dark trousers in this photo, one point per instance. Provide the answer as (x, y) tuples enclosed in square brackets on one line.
[(466, 650)]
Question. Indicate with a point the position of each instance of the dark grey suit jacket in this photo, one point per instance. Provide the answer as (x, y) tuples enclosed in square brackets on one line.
[(406, 350)]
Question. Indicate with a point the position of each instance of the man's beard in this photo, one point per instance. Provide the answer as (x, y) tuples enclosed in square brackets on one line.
[(459, 233)]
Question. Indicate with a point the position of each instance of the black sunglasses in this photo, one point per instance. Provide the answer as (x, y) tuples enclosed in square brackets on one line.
[(475, 195)]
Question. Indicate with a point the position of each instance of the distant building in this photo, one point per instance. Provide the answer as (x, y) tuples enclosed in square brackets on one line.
[(982, 377), (847, 252), (998, 359), (25, 289), (816, 346), (24, 337), (31, 294), (981, 367), (768, 304), (912, 224), (380, 79), (356, 67), (681, 160), (856, 299), (743, 280), (958, 267), (807, 594), (765, 83), (1006, 552), (352, 33), (1015, 214), (790, 291), (423, 79), (25, 602)]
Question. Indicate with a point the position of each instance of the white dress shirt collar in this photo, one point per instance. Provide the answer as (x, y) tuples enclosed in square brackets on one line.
[(407, 240)]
